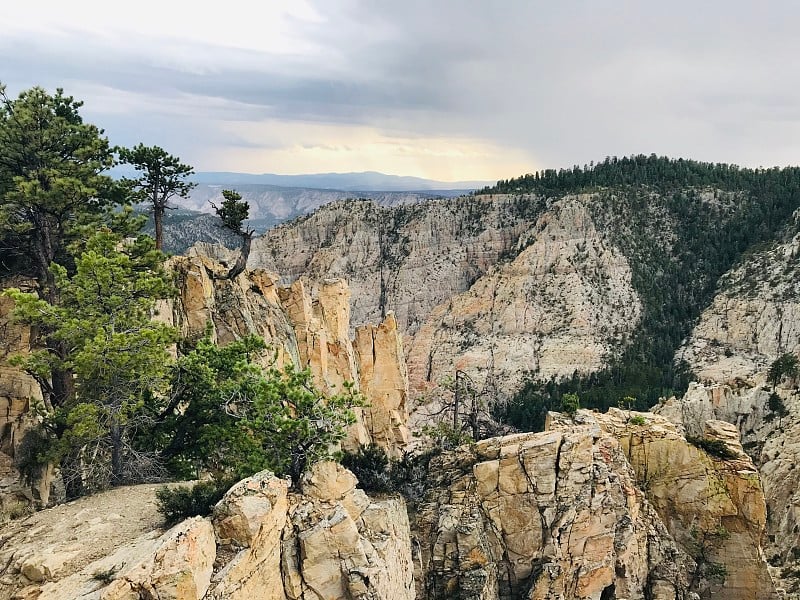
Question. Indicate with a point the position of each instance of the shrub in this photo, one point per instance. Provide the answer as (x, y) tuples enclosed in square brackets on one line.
[(786, 365), (716, 448), (570, 403), (372, 468), (776, 405), (179, 503), (445, 436), (15, 510), (637, 420), (377, 473)]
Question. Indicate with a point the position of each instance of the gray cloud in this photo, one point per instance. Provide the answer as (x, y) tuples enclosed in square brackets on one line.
[(566, 82)]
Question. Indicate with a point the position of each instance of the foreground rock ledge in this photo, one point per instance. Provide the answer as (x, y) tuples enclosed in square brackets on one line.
[(597, 507)]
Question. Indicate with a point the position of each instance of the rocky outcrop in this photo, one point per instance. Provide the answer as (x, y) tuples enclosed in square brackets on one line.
[(298, 330), (597, 507), (309, 333), (754, 318), (330, 541), (73, 550), (383, 379), (713, 507), (343, 545), (574, 512)]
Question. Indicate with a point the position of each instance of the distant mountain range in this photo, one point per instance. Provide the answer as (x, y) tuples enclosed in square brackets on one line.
[(193, 221), (368, 181), (275, 199)]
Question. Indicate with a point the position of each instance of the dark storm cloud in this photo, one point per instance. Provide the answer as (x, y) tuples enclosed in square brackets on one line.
[(567, 82)]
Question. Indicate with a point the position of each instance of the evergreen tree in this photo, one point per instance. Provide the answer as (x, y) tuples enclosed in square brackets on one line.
[(52, 191), (238, 418), (116, 352), (785, 365), (162, 178), (51, 180), (233, 213)]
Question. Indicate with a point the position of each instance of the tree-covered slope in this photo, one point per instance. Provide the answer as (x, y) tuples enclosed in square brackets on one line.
[(682, 225)]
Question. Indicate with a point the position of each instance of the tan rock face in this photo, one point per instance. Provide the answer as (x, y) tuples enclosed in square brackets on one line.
[(180, 568), (564, 303), (754, 318), (239, 516), (252, 514), (770, 440), (595, 507), (548, 515), (344, 545), (698, 495), (309, 333), (331, 542), (383, 379)]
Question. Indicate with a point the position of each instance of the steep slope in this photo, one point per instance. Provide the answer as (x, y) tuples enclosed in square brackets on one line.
[(753, 320), (408, 259), (564, 303), (597, 273), (755, 315)]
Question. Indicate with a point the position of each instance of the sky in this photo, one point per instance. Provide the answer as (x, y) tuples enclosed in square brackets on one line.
[(443, 89)]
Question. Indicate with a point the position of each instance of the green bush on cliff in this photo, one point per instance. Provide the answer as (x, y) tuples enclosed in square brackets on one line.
[(182, 502), (231, 416), (717, 448)]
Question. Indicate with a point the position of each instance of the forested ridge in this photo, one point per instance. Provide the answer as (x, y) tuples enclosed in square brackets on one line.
[(682, 224)]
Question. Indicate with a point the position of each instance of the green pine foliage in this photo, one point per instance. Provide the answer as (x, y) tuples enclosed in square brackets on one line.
[(51, 180), (117, 355), (185, 501), (716, 448), (786, 365), (161, 177), (116, 408), (233, 416)]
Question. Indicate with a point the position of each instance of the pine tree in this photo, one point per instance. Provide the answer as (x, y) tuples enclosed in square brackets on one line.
[(233, 213), (162, 178), (116, 352)]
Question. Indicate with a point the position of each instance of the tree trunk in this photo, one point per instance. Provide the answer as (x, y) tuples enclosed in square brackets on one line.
[(297, 466), (244, 253), (158, 221), (71, 474), (117, 469), (63, 384)]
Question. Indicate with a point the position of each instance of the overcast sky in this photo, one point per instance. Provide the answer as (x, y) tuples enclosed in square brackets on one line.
[(446, 89)]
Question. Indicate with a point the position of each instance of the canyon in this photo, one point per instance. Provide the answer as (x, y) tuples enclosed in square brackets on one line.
[(503, 288)]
